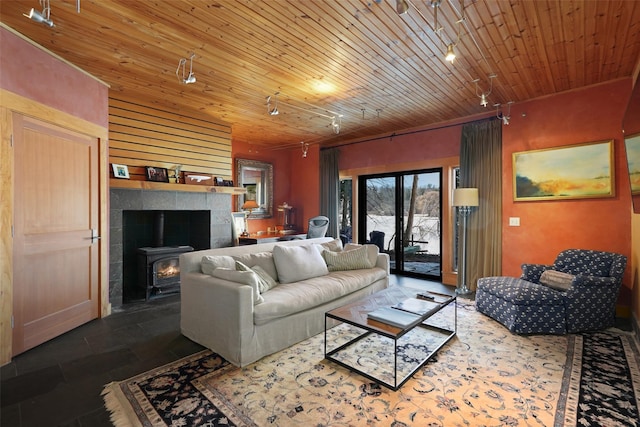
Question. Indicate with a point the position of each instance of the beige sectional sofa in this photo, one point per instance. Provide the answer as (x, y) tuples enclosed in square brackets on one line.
[(275, 295)]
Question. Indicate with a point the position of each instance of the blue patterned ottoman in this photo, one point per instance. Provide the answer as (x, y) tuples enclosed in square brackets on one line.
[(523, 307)]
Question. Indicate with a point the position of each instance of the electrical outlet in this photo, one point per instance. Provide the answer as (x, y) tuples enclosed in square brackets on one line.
[(514, 221)]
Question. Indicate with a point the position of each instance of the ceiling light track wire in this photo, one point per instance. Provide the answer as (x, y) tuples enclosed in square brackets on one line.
[(335, 117), (463, 21), (450, 53), (437, 29)]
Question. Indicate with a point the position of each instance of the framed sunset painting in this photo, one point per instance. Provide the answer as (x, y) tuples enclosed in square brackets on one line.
[(632, 145), (568, 172)]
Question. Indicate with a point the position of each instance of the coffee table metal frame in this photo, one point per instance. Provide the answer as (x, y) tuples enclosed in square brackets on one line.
[(392, 332)]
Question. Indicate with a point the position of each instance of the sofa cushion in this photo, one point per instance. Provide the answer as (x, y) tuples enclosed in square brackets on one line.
[(295, 263), (290, 298), (263, 259), (242, 277), (348, 260), (556, 279), (211, 262)]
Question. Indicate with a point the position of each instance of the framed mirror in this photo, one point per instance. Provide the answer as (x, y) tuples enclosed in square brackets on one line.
[(631, 130), (257, 178)]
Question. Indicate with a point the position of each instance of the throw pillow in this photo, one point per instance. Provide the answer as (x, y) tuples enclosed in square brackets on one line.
[(556, 279), (296, 263), (334, 245), (263, 259), (372, 250), (265, 282), (242, 277), (354, 259), (211, 262)]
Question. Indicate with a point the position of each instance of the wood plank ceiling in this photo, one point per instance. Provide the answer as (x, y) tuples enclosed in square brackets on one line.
[(381, 71)]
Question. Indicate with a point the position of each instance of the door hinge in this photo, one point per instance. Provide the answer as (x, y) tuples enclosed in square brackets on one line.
[(12, 231), (12, 322), (12, 140)]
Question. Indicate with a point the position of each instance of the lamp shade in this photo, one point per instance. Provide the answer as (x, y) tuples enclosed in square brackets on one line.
[(465, 197), (250, 204)]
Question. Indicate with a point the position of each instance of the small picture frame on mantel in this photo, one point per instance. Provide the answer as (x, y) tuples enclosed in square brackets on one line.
[(157, 174), (120, 171)]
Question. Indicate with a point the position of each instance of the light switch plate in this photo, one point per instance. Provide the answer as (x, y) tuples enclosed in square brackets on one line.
[(514, 221)]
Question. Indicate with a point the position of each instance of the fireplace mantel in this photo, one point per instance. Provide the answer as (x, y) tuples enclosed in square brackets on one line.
[(165, 186)]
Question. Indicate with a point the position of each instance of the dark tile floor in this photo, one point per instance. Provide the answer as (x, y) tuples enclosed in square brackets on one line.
[(59, 382)]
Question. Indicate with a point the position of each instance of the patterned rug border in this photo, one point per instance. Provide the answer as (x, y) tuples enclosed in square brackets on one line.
[(128, 404)]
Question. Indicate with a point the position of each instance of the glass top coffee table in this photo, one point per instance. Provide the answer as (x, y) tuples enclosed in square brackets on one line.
[(386, 354)]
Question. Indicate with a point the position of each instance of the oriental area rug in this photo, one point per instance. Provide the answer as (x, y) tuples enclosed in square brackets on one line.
[(485, 376)]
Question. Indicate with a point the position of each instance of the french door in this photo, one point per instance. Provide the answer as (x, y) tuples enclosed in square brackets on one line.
[(400, 212)]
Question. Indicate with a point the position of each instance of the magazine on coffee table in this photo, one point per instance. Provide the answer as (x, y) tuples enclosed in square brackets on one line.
[(417, 306), (393, 317)]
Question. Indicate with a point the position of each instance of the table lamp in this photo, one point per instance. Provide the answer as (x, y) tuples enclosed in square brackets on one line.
[(464, 199), (248, 205)]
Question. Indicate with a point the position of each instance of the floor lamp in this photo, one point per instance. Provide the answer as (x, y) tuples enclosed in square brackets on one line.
[(464, 199), (248, 205)]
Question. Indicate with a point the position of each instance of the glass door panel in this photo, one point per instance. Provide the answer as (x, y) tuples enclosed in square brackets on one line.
[(401, 214)]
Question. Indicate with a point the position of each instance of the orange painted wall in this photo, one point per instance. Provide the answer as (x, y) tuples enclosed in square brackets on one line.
[(412, 147), (296, 181), (35, 74), (547, 227), (305, 185)]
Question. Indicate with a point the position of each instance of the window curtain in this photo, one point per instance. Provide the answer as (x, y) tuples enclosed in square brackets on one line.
[(330, 188), (481, 168)]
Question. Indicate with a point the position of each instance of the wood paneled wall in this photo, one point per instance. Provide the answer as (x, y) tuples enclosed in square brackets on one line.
[(141, 135)]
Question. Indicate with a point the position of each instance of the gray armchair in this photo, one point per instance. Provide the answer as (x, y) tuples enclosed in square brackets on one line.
[(583, 299)]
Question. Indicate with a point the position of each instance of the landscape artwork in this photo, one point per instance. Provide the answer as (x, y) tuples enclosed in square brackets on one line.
[(571, 172), (632, 145)]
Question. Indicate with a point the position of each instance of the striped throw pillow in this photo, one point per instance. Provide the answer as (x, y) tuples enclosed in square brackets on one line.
[(355, 259)]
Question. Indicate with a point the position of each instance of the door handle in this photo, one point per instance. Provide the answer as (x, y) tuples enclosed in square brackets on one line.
[(94, 235)]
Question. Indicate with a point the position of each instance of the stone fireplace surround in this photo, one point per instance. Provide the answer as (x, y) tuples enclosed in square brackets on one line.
[(121, 199)]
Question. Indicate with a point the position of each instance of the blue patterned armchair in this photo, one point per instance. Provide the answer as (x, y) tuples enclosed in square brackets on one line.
[(577, 293)]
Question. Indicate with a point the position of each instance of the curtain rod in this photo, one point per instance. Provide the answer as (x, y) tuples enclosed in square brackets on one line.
[(393, 135)]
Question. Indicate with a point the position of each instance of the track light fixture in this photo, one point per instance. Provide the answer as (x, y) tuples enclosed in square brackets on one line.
[(273, 111), (451, 55), (42, 17), (336, 118), (484, 95), (402, 7), (181, 71), (505, 117), (305, 149)]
